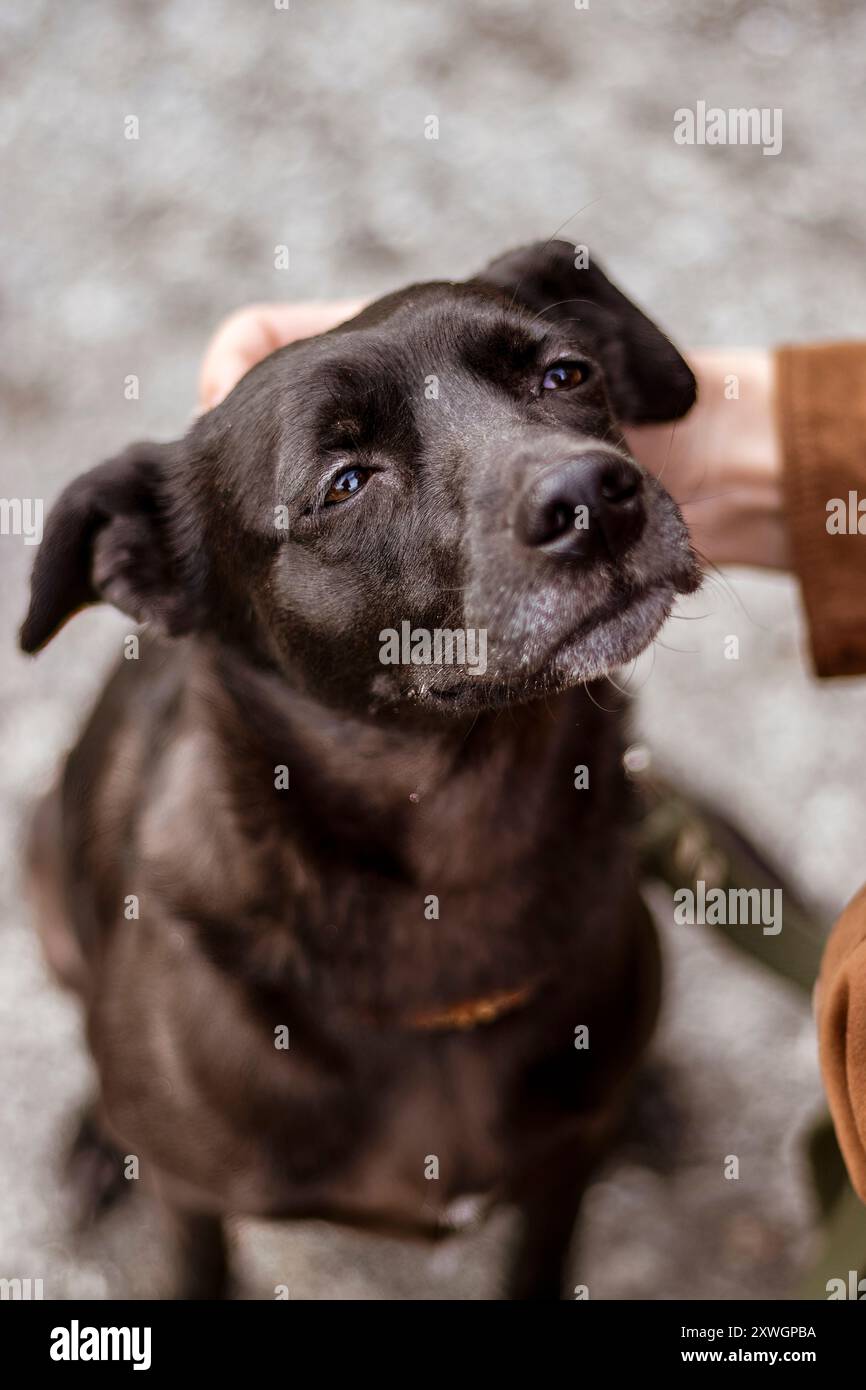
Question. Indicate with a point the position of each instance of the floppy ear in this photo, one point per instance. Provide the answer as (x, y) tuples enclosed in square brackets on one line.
[(108, 538), (646, 377)]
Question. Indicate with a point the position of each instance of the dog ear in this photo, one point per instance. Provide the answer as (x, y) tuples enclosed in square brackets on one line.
[(109, 539), (647, 379)]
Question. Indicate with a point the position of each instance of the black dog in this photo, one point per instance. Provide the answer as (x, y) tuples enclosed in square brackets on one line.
[(388, 950)]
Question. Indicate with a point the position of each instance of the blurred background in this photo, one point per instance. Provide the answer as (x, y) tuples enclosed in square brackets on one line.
[(305, 127)]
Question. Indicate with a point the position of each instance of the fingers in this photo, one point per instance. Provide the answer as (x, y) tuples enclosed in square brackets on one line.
[(250, 334), (243, 339)]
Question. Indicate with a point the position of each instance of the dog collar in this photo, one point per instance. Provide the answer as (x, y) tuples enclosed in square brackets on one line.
[(471, 1013)]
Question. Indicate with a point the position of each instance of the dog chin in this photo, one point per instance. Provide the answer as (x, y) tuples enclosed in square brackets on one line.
[(598, 647), (614, 640)]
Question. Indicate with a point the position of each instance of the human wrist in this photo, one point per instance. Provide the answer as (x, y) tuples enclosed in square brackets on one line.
[(743, 519), (722, 463)]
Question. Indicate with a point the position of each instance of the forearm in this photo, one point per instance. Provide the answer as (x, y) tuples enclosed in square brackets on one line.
[(723, 462), (770, 470)]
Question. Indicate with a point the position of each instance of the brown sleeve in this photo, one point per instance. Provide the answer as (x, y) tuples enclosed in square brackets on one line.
[(840, 1006), (821, 393), (822, 415)]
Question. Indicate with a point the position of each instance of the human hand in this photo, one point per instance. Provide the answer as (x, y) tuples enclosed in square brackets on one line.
[(722, 463), (250, 334)]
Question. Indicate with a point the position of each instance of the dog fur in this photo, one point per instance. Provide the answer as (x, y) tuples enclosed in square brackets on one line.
[(264, 906)]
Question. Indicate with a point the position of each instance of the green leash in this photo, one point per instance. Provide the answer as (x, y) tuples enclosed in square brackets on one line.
[(681, 843)]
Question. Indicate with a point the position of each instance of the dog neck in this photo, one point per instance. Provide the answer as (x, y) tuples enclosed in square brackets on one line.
[(375, 817), (388, 761)]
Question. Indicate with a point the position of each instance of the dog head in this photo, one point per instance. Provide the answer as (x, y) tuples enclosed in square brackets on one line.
[(432, 503)]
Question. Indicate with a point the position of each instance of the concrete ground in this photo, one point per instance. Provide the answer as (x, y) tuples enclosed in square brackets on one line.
[(260, 127)]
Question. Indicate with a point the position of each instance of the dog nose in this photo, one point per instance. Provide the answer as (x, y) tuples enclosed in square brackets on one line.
[(583, 508)]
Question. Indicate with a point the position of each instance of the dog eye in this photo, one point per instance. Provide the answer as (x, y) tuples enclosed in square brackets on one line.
[(562, 376), (346, 484)]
